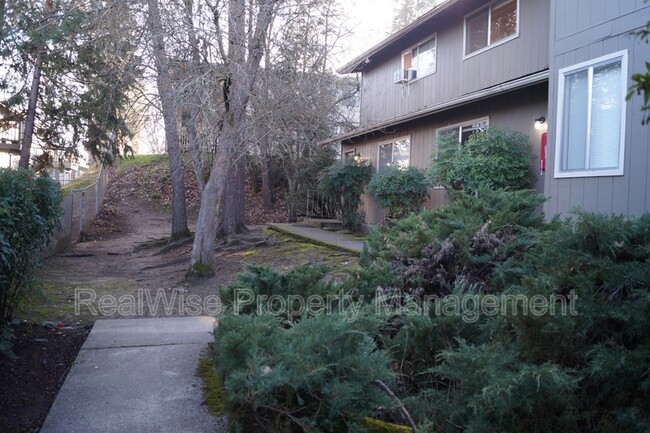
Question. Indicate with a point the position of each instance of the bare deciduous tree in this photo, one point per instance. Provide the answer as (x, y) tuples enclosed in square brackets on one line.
[(296, 103), (246, 35), (167, 98)]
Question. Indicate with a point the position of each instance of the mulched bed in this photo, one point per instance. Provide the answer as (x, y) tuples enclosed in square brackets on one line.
[(30, 382)]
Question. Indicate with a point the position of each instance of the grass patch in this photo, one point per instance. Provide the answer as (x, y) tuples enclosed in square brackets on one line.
[(378, 426), (84, 181), (305, 239), (138, 160), (56, 300), (212, 389)]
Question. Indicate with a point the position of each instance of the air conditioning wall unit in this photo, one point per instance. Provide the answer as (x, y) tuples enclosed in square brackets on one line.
[(400, 76), (404, 75)]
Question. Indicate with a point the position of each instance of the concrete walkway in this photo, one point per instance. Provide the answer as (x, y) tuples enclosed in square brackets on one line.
[(137, 375), (337, 240)]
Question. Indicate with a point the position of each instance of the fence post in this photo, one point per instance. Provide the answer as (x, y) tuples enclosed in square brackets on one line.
[(82, 212), (97, 190)]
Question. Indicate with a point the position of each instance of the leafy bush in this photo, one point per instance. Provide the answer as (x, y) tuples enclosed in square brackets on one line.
[(401, 190), (30, 211), (494, 159), (344, 182)]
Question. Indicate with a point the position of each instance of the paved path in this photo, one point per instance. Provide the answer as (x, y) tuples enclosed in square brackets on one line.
[(136, 375), (335, 239)]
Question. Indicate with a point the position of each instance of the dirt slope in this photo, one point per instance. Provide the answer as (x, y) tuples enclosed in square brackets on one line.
[(124, 254)]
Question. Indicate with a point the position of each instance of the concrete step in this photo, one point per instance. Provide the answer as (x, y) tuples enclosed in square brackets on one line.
[(324, 224)]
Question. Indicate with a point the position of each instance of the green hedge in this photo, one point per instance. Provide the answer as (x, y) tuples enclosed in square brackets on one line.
[(401, 190), (344, 182), (30, 212), (494, 159)]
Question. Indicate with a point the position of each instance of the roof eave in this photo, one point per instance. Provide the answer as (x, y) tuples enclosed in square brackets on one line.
[(516, 84), (358, 63)]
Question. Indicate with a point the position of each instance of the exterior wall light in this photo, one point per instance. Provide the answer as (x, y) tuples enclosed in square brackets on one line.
[(539, 122)]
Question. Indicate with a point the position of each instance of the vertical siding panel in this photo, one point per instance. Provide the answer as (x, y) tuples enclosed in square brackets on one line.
[(577, 192), (637, 140), (583, 14), (581, 55), (627, 6), (639, 178), (524, 50), (559, 19), (611, 8), (590, 198), (542, 18), (605, 193), (621, 194), (570, 17), (632, 186), (564, 197), (597, 15)]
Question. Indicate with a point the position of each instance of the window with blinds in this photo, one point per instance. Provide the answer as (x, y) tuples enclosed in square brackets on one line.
[(591, 117)]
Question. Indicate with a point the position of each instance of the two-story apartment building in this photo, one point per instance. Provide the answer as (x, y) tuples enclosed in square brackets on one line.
[(471, 64)]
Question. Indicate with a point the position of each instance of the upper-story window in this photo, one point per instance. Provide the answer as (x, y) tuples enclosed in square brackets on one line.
[(491, 25), (421, 58), (591, 117)]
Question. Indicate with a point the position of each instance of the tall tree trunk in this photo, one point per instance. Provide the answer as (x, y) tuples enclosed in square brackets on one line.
[(192, 137), (212, 201), (243, 73), (267, 193), (30, 119), (292, 201), (193, 143), (231, 218), (165, 90)]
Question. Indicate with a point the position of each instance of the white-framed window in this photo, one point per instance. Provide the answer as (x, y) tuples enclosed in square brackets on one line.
[(422, 57), (459, 132), (491, 25), (591, 108), (396, 152), (462, 131)]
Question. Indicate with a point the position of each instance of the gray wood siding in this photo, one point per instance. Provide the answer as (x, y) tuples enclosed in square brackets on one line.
[(584, 30), (528, 53), (515, 110)]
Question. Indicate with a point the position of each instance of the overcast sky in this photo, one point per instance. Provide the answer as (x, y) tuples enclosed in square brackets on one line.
[(370, 21)]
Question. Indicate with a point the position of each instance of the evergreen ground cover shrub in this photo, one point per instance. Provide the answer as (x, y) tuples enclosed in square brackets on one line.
[(459, 221), (577, 362), (30, 212), (401, 190)]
